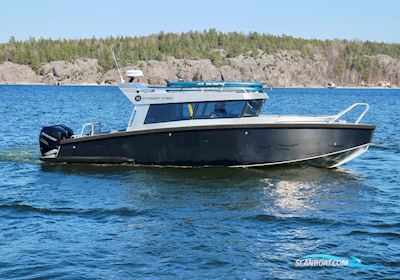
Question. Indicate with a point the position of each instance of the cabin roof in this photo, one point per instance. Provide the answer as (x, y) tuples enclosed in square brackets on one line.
[(206, 84), (139, 94)]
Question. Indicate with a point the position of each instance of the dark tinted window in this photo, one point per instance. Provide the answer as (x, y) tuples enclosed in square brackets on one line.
[(205, 110), (220, 109), (169, 112), (252, 108)]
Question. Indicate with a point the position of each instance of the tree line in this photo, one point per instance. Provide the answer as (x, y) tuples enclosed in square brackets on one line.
[(208, 44)]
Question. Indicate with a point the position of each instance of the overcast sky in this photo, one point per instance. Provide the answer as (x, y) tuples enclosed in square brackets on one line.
[(322, 19)]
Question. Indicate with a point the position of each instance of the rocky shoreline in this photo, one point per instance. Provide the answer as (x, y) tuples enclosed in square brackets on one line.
[(284, 69)]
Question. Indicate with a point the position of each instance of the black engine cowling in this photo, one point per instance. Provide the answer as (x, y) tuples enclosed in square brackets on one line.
[(51, 136)]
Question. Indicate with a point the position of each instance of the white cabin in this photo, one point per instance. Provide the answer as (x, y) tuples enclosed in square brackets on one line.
[(156, 107)]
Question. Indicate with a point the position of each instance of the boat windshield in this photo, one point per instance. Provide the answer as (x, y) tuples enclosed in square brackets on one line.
[(252, 108), (203, 110)]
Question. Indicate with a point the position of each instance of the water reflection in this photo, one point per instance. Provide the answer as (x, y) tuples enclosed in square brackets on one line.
[(300, 173), (294, 195), (295, 190), (278, 191)]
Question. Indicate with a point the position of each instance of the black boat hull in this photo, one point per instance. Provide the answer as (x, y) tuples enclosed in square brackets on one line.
[(325, 145)]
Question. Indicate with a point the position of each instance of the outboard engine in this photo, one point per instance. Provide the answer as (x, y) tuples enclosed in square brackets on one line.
[(51, 136)]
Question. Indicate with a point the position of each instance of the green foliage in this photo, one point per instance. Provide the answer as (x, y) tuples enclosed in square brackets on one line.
[(216, 58), (210, 44)]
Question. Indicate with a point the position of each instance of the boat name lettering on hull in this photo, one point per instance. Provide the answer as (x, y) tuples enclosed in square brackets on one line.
[(158, 98)]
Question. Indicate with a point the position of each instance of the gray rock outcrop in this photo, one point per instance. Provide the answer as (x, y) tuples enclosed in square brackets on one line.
[(283, 69), (80, 71), (11, 73)]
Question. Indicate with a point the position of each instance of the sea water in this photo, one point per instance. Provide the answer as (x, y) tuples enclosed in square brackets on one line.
[(123, 222)]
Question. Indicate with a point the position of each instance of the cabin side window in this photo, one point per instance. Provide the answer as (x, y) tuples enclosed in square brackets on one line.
[(169, 112), (252, 108), (220, 109), (203, 110)]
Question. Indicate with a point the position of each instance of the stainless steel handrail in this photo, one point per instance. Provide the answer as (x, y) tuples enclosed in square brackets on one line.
[(348, 109), (92, 126)]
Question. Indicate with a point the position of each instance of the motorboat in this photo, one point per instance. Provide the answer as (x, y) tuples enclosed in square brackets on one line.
[(331, 85), (211, 123)]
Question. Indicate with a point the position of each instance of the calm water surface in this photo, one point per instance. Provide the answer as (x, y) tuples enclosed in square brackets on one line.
[(121, 222)]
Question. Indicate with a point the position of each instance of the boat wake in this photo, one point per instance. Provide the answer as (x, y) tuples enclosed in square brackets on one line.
[(20, 155), (391, 147), (94, 212)]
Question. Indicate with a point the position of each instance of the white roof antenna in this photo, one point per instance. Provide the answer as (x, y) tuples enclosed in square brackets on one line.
[(117, 64)]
